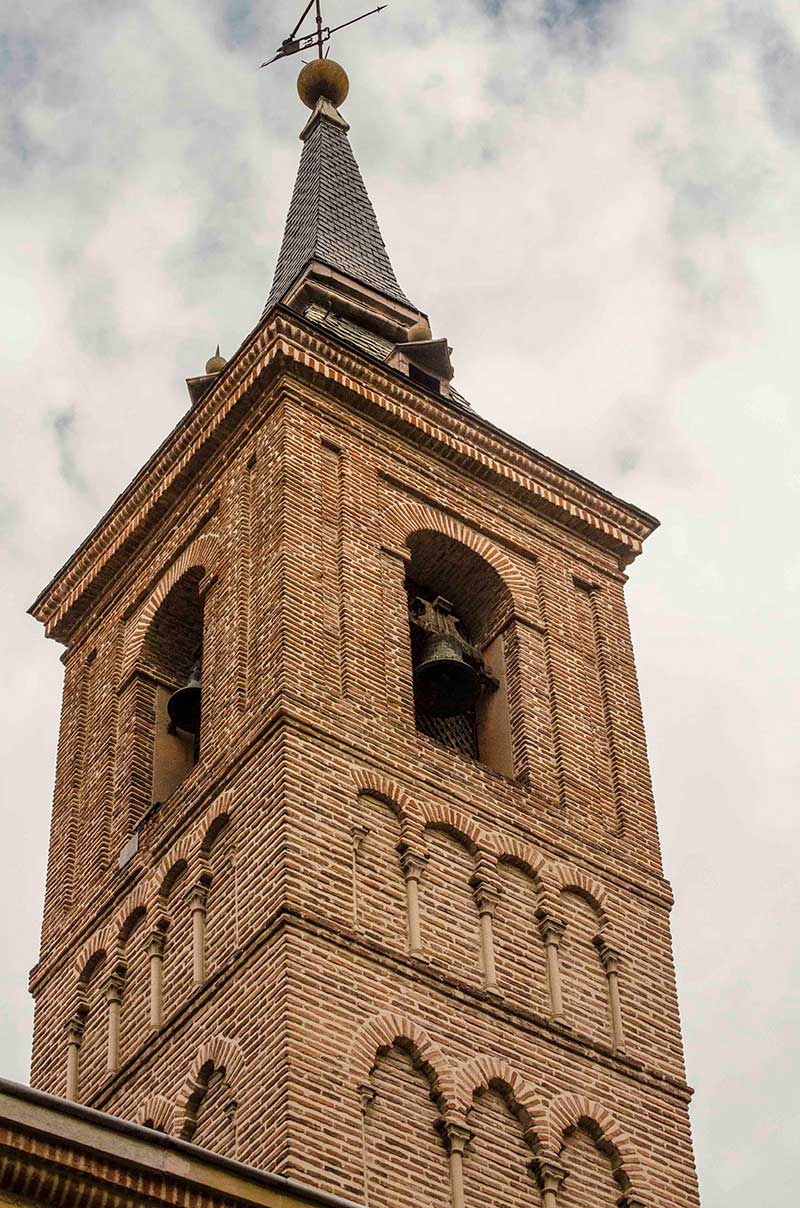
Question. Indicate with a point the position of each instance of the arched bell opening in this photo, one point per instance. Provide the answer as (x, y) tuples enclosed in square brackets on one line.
[(458, 610), (172, 655)]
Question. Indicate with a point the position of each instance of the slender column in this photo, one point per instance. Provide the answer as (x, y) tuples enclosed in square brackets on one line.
[(413, 866), (357, 834), (156, 942), (233, 865), (551, 1176), (210, 737), (74, 1031), (610, 958), (457, 1136), (366, 1094), (114, 988), (230, 1107), (198, 904), (486, 898), (552, 931), (396, 639)]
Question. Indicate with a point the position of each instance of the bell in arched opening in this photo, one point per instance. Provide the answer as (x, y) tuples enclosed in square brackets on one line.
[(446, 682), (184, 704)]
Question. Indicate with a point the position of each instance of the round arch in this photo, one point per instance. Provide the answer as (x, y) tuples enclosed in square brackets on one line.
[(203, 554), (383, 1031), (569, 1111), (489, 1073), (408, 518)]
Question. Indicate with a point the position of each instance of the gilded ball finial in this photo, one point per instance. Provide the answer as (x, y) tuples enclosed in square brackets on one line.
[(419, 331), (216, 363), (323, 77)]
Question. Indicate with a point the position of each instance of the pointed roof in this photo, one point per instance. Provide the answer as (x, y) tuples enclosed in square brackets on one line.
[(331, 218)]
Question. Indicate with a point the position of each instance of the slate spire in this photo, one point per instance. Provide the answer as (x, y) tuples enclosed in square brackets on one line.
[(331, 219), (333, 267)]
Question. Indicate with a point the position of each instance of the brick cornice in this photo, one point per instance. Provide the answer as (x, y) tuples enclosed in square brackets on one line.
[(285, 340), (481, 444), (419, 973), (445, 983), (245, 746)]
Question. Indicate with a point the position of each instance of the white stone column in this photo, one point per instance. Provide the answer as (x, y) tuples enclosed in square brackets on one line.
[(551, 1176), (552, 930), (457, 1136), (611, 961), (413, 866), (198, 904), (74, 1029), (114, 989), (156, 943), (486, 898)]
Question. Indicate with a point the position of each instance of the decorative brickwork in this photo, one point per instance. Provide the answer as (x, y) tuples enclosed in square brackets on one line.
[(336, 948)]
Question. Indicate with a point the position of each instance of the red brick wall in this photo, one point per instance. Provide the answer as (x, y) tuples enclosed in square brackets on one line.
[(407, 1161), (589, 1179), (497, 1161), (299, 533)]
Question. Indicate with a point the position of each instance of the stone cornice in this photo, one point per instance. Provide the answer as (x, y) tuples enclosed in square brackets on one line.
[(284, 340)]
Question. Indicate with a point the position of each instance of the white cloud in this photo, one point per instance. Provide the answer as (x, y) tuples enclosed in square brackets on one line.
[(599, 211)]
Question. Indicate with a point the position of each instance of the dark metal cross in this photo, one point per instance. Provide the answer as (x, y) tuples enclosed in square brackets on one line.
[(297, 41)]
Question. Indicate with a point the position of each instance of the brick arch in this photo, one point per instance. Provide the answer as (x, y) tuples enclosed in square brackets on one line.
[(217, 1054), (206, 829), (369, 782), (168, 870), (129, 924), (102, 944), (407, 518), (382, 1032), (485, 1072), (573, 1111), (206, 553), (138, 900), (569, 878), (524, 856), (158, 1109), (451, 820)]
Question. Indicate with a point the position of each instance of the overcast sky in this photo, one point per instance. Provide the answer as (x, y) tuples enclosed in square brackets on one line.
[(597, 203)]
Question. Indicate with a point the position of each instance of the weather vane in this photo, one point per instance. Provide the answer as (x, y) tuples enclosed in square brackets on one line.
[(297, 41)]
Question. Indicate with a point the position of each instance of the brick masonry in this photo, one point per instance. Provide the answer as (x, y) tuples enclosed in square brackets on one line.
[(310, 1040)]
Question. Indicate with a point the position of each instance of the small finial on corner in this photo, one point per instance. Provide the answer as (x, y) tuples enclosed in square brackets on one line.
[(419, 331), (216, 363)]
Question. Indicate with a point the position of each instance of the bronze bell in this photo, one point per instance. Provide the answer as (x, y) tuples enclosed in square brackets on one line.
[(184, 704), (445, 681)]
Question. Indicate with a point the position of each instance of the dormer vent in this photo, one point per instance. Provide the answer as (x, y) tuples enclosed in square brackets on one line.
[(426, 362)]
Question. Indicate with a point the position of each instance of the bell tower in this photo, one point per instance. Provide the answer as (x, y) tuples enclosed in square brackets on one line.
[(354, 872)]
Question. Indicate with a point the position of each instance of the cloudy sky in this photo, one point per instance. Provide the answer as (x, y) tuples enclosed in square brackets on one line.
[(597, 203)]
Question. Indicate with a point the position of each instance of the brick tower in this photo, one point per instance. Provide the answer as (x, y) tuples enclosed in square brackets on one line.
[(389, 918)]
